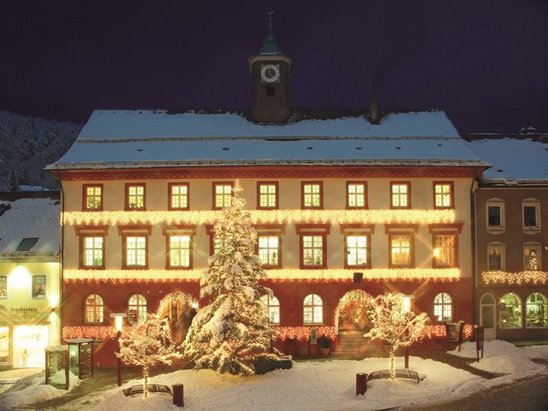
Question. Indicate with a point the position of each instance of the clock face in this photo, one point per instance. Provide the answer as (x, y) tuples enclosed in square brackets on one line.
[(270, 73)]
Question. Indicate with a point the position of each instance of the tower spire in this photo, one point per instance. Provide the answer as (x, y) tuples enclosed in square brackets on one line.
[(270, 45)]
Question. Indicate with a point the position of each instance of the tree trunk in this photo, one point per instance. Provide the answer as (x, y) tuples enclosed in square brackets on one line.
[(392, 363), (145, 381)]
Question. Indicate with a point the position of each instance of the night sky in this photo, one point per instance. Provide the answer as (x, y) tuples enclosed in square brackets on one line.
[(484, 62)]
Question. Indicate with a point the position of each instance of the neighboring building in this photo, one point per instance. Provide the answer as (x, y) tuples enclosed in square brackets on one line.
[(511, 207), (29, 277), (347, 204)]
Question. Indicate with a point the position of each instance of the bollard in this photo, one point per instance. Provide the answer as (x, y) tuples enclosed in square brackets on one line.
[(361, 383), (178, 395)]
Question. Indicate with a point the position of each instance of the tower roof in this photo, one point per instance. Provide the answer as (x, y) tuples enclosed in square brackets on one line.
[(270, 45)]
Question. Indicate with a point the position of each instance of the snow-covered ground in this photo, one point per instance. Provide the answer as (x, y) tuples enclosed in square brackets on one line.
[(327, 385)]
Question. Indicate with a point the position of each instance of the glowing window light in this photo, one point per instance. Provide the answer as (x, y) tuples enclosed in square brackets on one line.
[(20, 277), (406, 303), (53, 300), (369, 216), (519, 278), (405, 274)]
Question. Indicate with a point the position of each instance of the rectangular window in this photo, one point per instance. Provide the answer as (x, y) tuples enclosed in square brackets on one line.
[(222, 195), (38, 286), (93, 251), (312, 195), (178, 196), (312, 255), (135, 196), (400, 195), (356, 195), (269, 250), (495, 216), (444, 250), (136, 251), (93, 197), (356, 250), (443, 195), (400, 251), (267, 195), (3, 286), (531, 258), (531, 216), (495, 258), (179, 251)]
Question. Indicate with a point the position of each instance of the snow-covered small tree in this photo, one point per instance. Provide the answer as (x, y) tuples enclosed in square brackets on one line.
[(233, 329), (147, 343), (393, 324)]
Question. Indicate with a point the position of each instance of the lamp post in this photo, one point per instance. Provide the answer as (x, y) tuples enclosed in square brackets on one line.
[(118, 324)]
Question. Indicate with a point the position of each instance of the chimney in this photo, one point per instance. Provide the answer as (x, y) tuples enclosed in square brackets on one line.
[(373, 111)]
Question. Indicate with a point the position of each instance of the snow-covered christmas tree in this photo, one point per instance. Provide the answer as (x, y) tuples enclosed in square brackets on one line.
[(233, 330), (147, 343), (394, 324)]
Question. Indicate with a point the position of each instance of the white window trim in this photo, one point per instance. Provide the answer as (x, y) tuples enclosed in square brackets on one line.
[(530, 203), (495, 203)]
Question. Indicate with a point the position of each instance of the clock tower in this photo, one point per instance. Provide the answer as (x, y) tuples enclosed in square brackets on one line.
[(270, 71)]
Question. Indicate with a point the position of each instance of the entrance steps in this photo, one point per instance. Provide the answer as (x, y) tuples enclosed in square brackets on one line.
[(353, 346)]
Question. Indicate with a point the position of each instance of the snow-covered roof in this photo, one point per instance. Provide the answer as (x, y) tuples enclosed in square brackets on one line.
[(30, 218), (140, 138), (516, 160)]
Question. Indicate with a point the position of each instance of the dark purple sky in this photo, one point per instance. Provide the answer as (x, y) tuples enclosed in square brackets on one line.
[(485, 62)]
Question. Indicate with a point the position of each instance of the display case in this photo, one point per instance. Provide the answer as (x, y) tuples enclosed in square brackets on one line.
[(81, 357)]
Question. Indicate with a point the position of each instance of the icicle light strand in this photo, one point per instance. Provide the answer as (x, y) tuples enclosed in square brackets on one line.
[(523, 277)]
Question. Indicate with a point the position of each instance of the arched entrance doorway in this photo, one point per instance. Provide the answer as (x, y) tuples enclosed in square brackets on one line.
[(487, 316), (180, 308), (351, 313)]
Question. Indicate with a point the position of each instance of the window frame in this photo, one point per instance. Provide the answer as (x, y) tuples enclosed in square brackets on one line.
[(536, 205), (279, 249), (272, 306), (170, 195), (214, 186), (407, 195), (391, 263), (128, 187), (493, 246), (169, 264), (101, 313), (455, 250), (86, 196), (365, 195), (323, 236), (138, 306), (313, 311), (367, 236), (538, 249), (443, 304), (4, 287), (276, 195), (83, 250), (451, 195), (495, 203), (303, 195)]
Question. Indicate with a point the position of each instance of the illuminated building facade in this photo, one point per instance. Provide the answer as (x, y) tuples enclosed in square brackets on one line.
[(29, 277)]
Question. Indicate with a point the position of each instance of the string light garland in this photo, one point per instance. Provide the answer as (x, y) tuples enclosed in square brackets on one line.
[(376, 216), (303, 333), (286, 274), (507, 278)]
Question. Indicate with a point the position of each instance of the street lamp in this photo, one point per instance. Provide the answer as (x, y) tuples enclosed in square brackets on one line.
[(118, 324)]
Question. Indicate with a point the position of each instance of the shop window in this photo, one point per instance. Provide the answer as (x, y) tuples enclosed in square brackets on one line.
[(495, 257), (135, 197), (443, 307), (3, 286), (137, 309), (93, 197), (443, 195), (495, 215), (267, 194), (92, 251), (94, 309), (272, 306), (510, 311), (178, 196), (531, 215), (531, 257), (312, 196), (222, 195), (180, 251), (356, 194), (536, 311), (400, 195), (269, 250), (445, 250), (38, 286), (313, 309)]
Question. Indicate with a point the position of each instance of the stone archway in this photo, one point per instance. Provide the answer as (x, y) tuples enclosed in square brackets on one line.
[(180, 308), (351, 312)]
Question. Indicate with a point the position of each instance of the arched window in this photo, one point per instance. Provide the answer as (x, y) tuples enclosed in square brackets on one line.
[(443, 307), (272, 306), (137, 309), (94, 309), (510, 311), (536, 311), (313, 309)]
